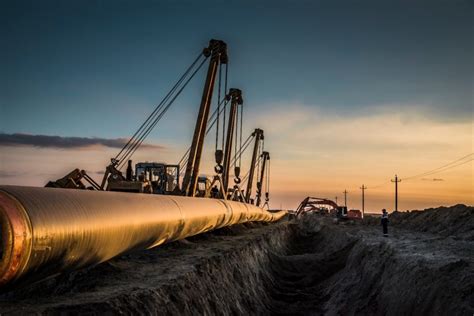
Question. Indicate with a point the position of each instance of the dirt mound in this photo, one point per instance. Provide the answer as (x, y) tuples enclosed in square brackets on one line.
[(307, 266), (456, 221)]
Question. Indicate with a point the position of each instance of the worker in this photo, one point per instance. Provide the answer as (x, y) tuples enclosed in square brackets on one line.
[(214, 192), (384, 222)]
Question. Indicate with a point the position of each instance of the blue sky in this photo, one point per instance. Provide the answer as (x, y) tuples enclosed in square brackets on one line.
[(76, 69), (369, 88)]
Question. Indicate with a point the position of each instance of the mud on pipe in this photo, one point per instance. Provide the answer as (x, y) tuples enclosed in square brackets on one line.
[(46, 231)]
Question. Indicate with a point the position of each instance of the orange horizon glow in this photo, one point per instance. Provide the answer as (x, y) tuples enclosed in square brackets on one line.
[(312, 154)]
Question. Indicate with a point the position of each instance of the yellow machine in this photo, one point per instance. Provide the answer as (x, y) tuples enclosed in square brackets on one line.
[(46, 231)]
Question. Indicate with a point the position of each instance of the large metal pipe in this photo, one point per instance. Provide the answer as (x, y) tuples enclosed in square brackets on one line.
[(46, 231)]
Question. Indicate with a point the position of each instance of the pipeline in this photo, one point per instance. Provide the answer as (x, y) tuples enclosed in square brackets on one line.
[(47, 231)]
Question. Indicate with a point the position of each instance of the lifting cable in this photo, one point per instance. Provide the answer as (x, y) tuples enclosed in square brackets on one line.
[(242, 149), (211, 122), (260, 150), (132, 139), (158, 117), (257, 164), (267, 181), (135, 141)]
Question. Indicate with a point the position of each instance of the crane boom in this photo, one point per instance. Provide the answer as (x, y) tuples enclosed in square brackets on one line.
[(236, 100), (265, 157), (258, 134), (218, 51)]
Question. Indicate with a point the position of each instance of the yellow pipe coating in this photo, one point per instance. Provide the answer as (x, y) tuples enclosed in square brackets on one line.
[(46, 231)]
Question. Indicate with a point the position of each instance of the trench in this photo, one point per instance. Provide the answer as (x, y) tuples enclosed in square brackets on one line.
[(288, 268)]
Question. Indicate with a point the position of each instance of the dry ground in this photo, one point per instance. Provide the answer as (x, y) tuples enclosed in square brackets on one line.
[(308, 266)]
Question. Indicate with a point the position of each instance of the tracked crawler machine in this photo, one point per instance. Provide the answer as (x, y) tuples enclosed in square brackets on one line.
[(326, 206), (163, 178)]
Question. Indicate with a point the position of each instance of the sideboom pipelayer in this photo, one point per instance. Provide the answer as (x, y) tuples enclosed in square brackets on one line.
[(162, 178), (46, 231)]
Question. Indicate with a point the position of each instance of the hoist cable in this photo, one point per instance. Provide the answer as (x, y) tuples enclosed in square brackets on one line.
[(260, 150), (158, 118), (132, 150), (242, 149), (151, 122), (268, 178), (211, 122), (257, 164), (132, 139), (140, 129)]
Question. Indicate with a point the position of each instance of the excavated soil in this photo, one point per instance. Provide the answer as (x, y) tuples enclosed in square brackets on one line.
[(308, 266)]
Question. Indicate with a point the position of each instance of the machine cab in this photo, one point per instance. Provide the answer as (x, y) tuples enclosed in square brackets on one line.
[(342, 211), (203, 187), (164, 178)]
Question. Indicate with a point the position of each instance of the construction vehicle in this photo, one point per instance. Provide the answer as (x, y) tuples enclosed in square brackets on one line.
[(354, 213), (74, 180), (162, 178), (149, 177), (325, 206)]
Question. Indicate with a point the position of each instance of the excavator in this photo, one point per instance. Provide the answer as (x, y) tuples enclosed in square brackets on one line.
[(163, 178), (325, 206)]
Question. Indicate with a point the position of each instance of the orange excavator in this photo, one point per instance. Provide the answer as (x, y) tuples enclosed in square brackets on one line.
[(325, 206)]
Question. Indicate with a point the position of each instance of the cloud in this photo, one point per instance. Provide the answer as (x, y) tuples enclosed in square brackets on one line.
[(314, 130), (45, 141), (9, 174)]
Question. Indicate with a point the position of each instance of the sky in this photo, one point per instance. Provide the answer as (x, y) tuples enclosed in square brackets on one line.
[(348, 92)]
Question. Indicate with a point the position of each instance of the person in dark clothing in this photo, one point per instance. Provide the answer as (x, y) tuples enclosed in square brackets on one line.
[(385, 222), (214, 192)]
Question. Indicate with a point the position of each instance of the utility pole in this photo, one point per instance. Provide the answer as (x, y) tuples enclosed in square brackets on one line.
[(363, 199), (396, 181), (345, 198)]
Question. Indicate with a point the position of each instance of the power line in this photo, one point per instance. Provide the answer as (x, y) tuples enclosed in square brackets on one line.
[(450, 167), (452, 164), (378, 185), (445, 167)]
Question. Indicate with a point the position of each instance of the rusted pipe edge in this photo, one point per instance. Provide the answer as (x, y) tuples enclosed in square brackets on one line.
[(15, 242)]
